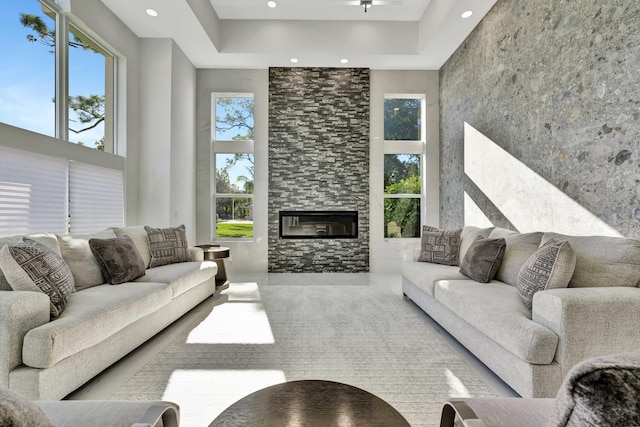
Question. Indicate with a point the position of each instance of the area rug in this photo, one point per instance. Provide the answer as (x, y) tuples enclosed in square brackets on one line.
[(342, 328)]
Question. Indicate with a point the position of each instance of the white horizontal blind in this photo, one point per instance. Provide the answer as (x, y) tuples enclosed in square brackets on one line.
[(96, 198), (33, 193)]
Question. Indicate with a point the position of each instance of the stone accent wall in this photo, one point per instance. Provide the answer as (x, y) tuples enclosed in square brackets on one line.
[(555, 83), (319, 160)]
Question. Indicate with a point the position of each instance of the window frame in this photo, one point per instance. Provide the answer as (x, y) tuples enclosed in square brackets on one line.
[(417, 147), (228, 147), (62, 22)]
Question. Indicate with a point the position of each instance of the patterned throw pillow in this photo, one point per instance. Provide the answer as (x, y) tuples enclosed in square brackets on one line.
[(550, 267), (167, 245), (119, 259), (31, 266), (483, 259), (601, 391), (440, 246)]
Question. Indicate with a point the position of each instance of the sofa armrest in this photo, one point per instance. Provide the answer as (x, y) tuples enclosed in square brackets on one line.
[(196, 254), (20, 311), (72, 413), (589, 321)]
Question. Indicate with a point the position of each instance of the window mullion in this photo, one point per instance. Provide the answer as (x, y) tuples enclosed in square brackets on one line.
[(62, 78)]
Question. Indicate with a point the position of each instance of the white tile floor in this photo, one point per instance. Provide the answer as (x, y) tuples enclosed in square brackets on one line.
[(106, 384)]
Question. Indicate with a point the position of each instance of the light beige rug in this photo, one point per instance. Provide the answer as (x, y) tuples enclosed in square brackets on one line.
[(335, 327)]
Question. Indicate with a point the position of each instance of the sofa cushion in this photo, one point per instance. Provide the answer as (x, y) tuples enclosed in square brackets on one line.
[(496, 310), (18, 411), (140, 239), (425, 275), (550, 267), (601, 391), (91, 316), (603, 261), (440, 246), (182, 276), (469, 234), (77, 254), (167, 245), (520, 246), (119, 259), (482, 260), (47, 239), (31, 266)]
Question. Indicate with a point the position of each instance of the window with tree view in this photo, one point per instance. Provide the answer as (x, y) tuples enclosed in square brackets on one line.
[(33, 93), (233, 165), (404, 148)]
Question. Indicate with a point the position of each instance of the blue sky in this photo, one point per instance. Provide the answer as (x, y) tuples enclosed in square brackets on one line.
[(27, 80), (240, 168)]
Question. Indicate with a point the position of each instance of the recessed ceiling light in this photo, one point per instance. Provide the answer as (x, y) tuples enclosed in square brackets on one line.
[(152, 12), (294, 60), (466, 14), (272, 4), (344, 60)]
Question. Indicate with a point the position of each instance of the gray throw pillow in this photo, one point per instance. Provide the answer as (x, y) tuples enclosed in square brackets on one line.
[(119, 259), (603, 391), (550, 267), (440, 246), (483, 258), (16, 411), (167, 245), (31, 266)]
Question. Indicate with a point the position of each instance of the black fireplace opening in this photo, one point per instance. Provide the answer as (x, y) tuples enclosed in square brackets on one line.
[(318, 224)]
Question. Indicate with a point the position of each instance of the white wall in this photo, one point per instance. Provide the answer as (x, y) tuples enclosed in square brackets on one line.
[(183, 143), (166, 184), (246, 256), (387, 254)]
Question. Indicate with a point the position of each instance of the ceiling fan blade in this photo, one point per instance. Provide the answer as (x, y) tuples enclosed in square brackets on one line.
[(350, 2), (387, 2)]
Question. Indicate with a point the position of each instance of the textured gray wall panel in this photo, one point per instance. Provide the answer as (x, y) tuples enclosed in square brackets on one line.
[(319, 160), (557, 85)]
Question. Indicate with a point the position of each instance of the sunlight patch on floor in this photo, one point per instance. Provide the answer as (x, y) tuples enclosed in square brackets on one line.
[(234, 323), (243, 292), (203, 394), (456, 387)]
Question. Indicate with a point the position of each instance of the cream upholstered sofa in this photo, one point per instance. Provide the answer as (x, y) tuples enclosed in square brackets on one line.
[(45, 359), (532, 350)]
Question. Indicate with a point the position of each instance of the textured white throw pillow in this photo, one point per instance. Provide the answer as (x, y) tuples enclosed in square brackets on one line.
[(550, 267), (77, 254)]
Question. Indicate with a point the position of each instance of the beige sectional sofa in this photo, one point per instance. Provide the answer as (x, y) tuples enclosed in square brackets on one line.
[(532, 350), (45, 359)]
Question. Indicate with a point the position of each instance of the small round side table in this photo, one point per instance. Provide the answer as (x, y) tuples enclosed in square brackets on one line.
[(217, 254)]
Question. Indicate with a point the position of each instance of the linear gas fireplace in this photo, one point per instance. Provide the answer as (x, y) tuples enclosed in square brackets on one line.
[(318, 224)]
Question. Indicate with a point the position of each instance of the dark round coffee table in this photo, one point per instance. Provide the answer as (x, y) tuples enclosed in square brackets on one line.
[(309, 403)]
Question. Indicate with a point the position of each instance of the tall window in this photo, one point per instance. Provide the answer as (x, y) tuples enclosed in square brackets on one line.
[(233, 165), (34, 92), (404, 145)]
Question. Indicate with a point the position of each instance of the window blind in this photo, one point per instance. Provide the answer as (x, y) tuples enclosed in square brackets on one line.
[(33, 193), (96, 198)]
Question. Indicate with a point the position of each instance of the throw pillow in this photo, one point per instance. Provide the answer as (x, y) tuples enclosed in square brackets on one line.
[(31, 266), (167, 245), (16, 410), (119, 259), (440, 246), (77, 254), (550, 267), (602, 391), (483, 259)]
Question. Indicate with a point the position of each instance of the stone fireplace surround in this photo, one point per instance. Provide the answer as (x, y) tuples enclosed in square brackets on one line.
[(318, 161)]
